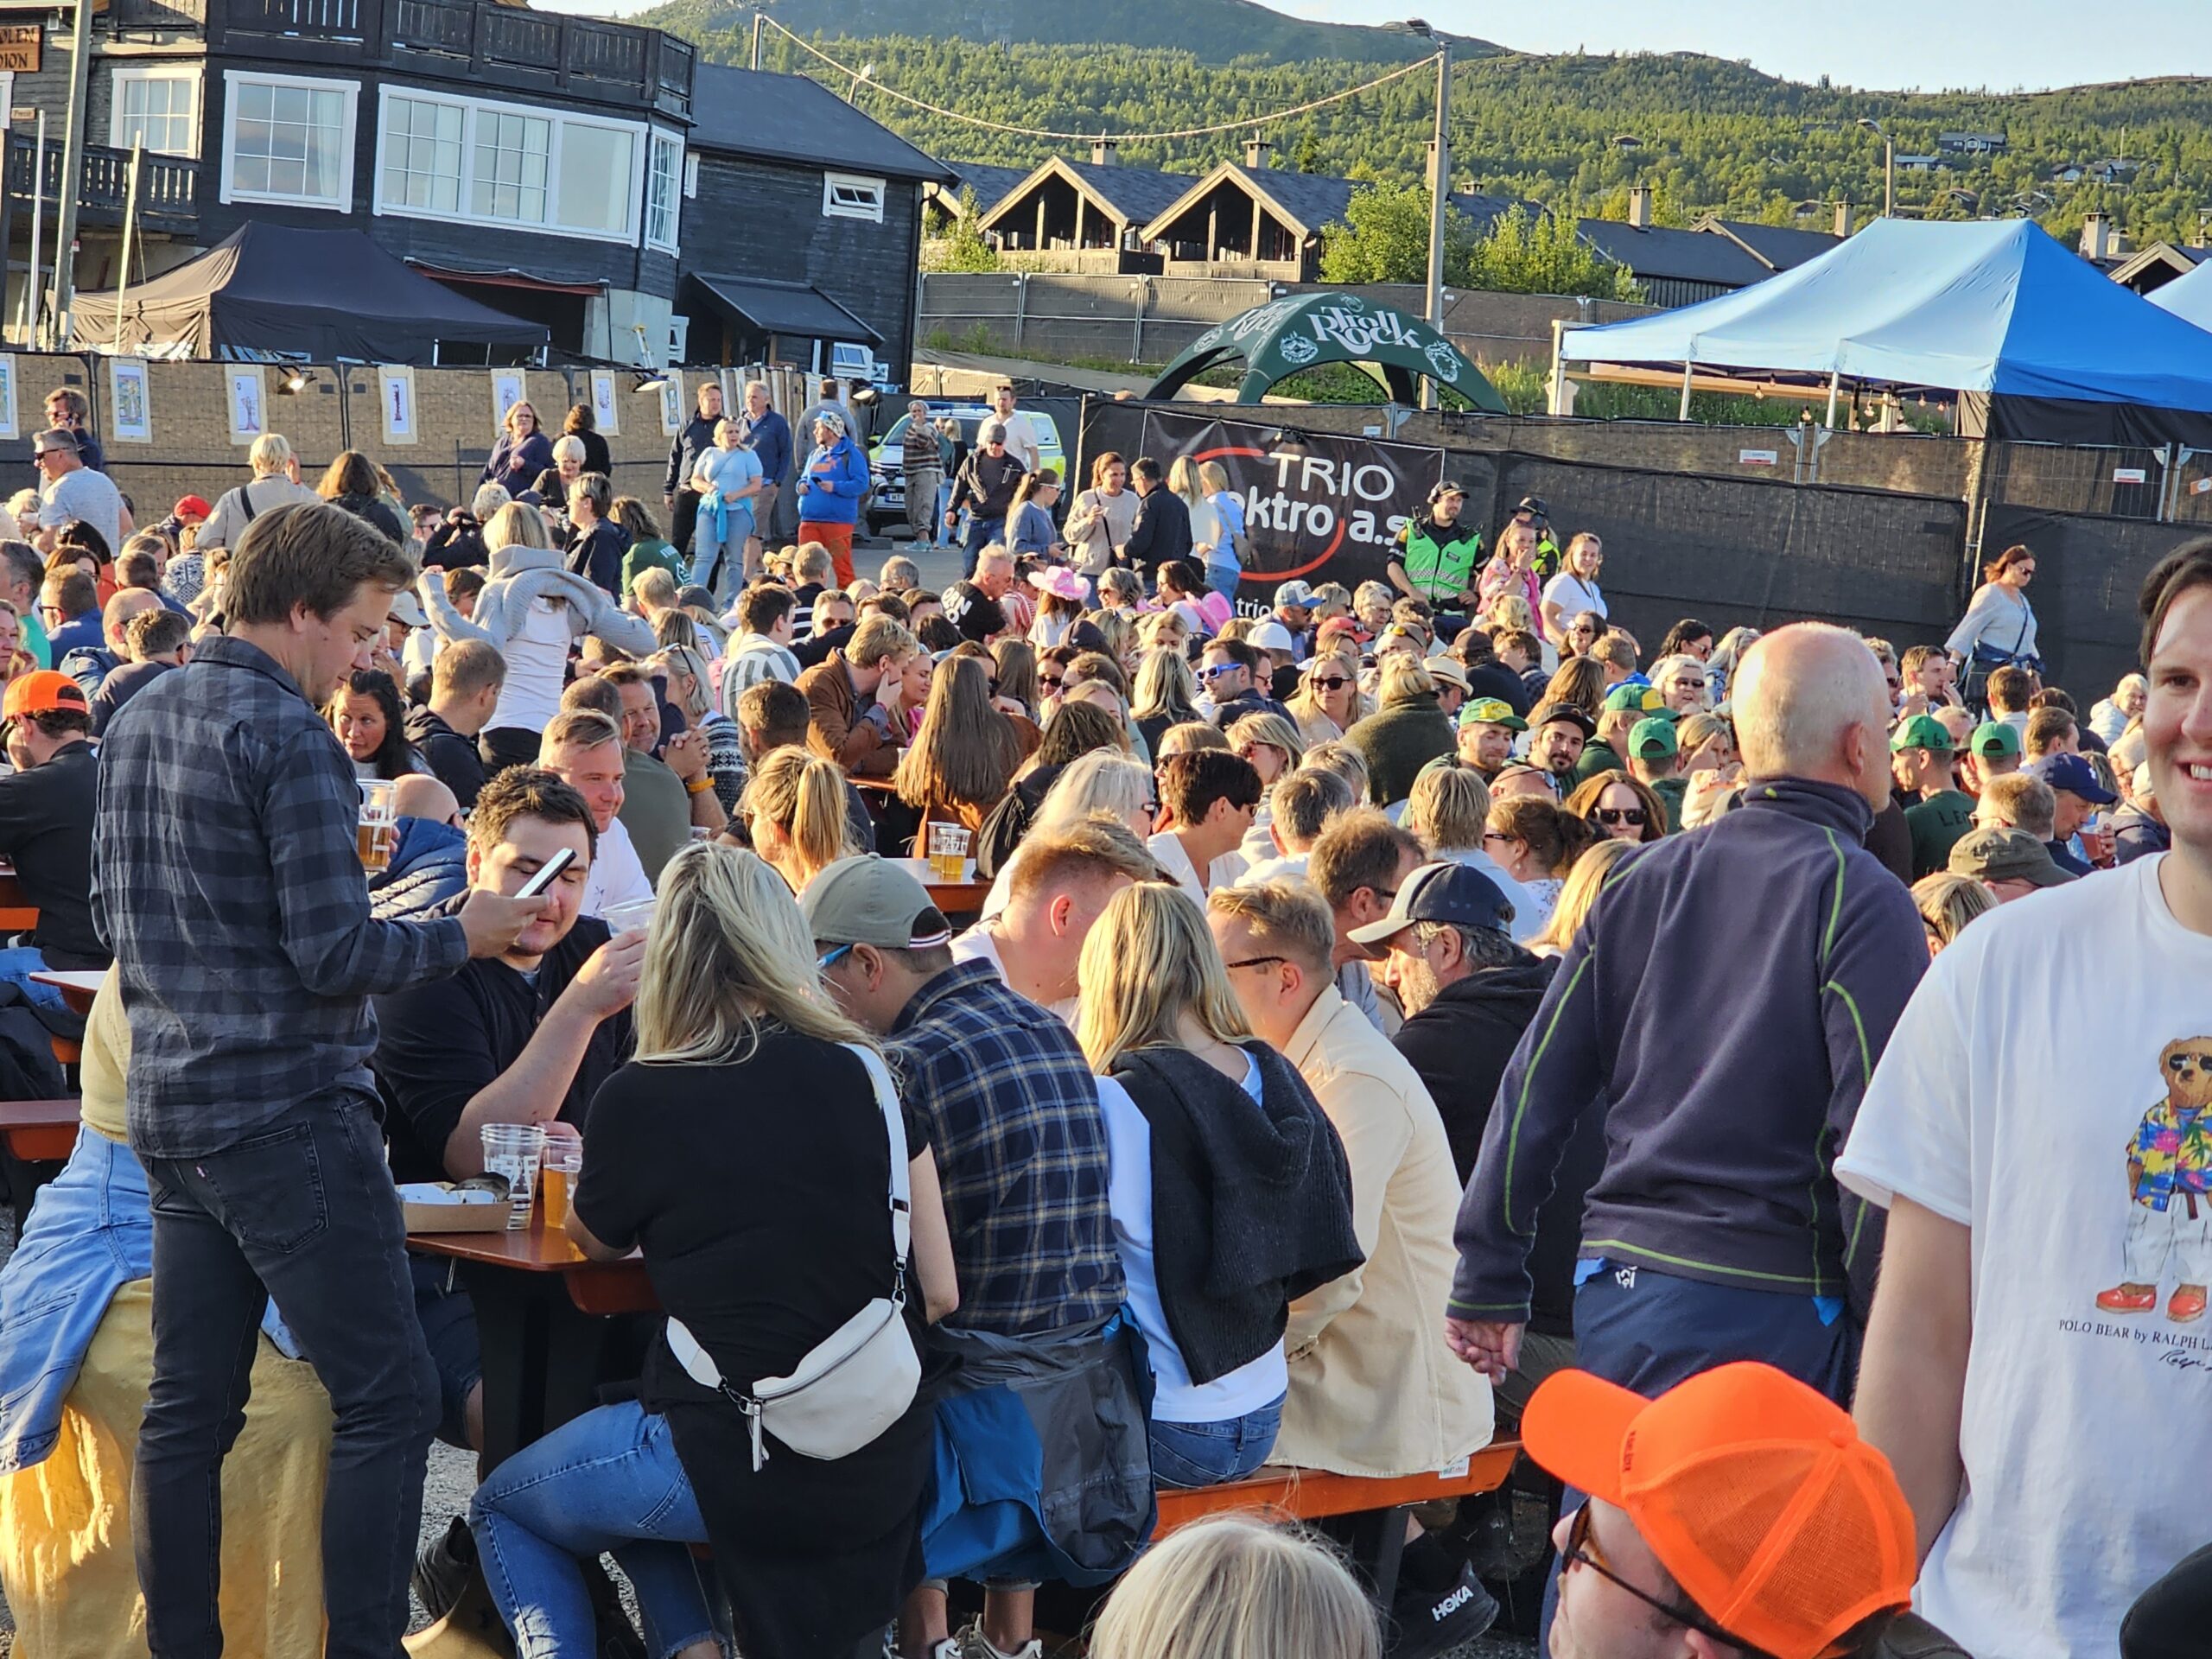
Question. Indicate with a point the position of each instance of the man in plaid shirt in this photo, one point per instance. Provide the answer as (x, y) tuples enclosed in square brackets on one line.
[(1009, 1107), (226, 880)]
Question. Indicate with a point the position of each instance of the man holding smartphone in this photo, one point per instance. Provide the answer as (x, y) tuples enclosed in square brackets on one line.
[(227, 881)]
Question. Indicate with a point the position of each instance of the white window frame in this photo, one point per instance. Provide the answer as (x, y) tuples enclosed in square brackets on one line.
[(559, 120), (691, 175), (833, 208), (342, 202), (385, 97), (122, 75), (658, 143)]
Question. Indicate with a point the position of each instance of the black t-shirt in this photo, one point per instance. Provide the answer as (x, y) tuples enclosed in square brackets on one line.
[(438, 1045), (759, 1194), (46, 827)]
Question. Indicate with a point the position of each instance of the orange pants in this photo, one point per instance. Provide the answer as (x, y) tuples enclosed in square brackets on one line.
[(838, 538)]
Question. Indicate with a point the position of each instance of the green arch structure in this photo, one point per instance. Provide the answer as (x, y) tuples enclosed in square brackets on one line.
[(1277, 339)]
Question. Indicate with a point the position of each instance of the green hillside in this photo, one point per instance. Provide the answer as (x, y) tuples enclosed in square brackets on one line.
[(1716, 136)]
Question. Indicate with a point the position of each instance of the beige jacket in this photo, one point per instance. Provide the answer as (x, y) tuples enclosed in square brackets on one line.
[(1373, 1388)]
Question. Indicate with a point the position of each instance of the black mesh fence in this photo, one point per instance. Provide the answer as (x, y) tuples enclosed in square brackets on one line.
[(2088, 571)]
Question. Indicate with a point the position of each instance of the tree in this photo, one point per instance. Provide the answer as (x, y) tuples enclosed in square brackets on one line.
[(962, 246), (1384, 237), (1542, 254)]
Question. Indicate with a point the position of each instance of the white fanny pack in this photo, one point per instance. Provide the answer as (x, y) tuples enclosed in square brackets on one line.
[(859, 1380)]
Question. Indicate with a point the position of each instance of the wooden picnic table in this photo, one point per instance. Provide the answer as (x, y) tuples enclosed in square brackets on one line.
[(958, 900), (541, 1319), (36, 1137)]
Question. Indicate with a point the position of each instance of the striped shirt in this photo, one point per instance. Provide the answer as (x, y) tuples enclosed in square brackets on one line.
[(1021, 1145), (226, 880)]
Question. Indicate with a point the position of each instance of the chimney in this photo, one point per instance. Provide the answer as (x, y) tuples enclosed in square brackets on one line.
[(2096, 236), (1257, 151), (1639, 207), (1102, 152), (1842, 220)]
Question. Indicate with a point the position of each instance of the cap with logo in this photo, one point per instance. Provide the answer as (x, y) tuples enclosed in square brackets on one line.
[(1756, 1493), (1630, 698), (1653, 738), (1534, 505), (2073, 774), (1294, 593), (1440, 893), (45, 691), (870, 900), (1270, 635), (1996, 854), (1921, 732), (1546, 714), (1995, 738), (1492, 711)]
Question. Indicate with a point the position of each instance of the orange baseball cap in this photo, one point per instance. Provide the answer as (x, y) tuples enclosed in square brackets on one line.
[(1780, 1524), (42, 692)]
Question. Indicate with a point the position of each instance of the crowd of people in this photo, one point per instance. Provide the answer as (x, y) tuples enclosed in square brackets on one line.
[(1386, 1019)]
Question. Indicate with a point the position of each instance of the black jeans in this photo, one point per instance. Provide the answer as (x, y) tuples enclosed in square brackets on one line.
[(684, 519), (305, 1213)]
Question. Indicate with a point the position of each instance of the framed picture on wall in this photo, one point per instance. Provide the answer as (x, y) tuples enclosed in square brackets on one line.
[(248, 404), (671, 406), (130, 418), (8, 395), (604, 408), (506, 392), (396, 402)]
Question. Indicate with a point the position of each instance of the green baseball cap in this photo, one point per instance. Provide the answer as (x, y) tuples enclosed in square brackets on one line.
[(1636, 700), (1926, 731), (1492, 711), (1995, 738), (1652, 738)]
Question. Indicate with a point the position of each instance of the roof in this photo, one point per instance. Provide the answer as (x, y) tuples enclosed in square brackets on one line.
[(1991, 306), (1667, 254), (791, 119), (1130, 194), (799, 309), (991, 183), (2189, 296), (1779, 247), (2181, 259)]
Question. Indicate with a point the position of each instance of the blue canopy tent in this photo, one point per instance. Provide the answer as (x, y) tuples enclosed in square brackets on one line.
[(2188, 297), (2053, 350)]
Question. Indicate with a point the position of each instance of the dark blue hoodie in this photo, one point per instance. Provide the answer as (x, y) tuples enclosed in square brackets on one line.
[(1725, 1001)]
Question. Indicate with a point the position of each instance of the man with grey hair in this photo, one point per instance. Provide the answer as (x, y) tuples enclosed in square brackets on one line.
[(922, 454), (1715, 1231), (984, 486), (1299, 807)]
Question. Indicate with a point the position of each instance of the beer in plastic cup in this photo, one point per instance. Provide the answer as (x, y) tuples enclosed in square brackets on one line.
[(514, 1150), (374, 837), (948, 845), (563, 1160)]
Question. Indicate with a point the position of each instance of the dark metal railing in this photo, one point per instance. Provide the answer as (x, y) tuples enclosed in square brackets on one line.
[(169, 185)]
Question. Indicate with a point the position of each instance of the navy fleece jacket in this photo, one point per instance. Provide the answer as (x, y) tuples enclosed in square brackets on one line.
[(1725, 1001)]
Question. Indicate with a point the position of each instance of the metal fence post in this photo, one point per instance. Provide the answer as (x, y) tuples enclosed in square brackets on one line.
[(1020, 308), (1136, 343)]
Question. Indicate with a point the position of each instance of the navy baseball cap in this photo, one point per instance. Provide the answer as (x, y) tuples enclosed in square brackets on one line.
[(2073, 773), (1442, 893)]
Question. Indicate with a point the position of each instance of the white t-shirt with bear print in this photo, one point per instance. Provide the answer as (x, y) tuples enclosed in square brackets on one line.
[(2044, 1089)]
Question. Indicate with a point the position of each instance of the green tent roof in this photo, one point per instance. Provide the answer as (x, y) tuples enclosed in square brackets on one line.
[(1275, 340)]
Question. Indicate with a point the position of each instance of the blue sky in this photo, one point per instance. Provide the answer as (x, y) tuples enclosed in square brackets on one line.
[(1885, 44)]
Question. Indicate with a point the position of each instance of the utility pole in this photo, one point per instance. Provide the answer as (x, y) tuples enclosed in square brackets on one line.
[(130, 233), (1889, 165), (72, 169), (1441, 187), (759, 20)]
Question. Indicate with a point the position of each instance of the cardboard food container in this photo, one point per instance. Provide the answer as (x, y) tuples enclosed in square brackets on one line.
[(475, 1206)]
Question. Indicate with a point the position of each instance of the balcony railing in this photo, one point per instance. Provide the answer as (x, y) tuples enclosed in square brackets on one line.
[(468, 39), (169, 185)]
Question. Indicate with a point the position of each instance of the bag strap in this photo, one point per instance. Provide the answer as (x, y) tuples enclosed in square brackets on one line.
[(245, 502)]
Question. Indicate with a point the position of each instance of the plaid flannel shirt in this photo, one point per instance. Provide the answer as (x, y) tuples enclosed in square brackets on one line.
[(1021, 1144), (226, 880)]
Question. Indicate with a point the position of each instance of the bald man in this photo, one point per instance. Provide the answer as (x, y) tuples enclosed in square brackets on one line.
[(1715, 1231)]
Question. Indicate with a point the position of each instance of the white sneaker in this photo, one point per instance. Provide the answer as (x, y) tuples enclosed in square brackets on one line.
[(971, 1644)]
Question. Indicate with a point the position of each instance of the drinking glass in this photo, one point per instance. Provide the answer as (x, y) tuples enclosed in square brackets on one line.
[(514, 1150), (373, 838)]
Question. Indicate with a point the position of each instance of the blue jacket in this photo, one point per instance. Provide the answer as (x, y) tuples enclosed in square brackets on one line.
[(90, 1233), (770, 439), (1725, 1003), (836, 478), (429, 868)]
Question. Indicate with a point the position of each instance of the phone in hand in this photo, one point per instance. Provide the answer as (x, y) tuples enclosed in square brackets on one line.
[(547, 873)]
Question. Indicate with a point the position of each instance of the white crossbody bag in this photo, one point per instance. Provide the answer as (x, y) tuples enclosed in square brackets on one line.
[(859, 1380)]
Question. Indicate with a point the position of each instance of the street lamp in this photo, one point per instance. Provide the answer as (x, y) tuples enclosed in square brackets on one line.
[(1439, 179), (1889, 165)]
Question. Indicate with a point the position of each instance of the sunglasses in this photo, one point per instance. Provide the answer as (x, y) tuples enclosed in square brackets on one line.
[(1218, 669), (1582, 1551), (1632, 816), (1332, 683), (1052, 682), (834, 957), (1253, 962)]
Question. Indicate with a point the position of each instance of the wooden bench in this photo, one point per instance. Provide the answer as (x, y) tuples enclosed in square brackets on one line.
[(1369, 1512), (36, 1137)]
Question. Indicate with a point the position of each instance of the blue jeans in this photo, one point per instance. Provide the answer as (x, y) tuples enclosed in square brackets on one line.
[(1206, 1454), (18, 964), (605, 1481), (302, 1213), (1223, 578), (981, 532)]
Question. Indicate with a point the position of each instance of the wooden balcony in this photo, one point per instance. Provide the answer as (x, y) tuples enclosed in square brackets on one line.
[(466, 41), (169, 185)]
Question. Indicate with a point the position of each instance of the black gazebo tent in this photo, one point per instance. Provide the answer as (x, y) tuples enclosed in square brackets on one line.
[(324, 295)]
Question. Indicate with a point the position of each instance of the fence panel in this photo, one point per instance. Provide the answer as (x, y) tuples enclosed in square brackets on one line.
[(2089, 570)]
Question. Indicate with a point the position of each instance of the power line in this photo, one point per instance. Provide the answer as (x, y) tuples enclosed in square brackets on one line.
[(858, 78)]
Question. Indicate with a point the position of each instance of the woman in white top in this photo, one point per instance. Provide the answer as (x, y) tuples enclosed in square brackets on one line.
[(532, 610), (1102, 515), (1574, 590), (1577, 894), (1205, 523), (2000, 626), (1231, 1193), (1225, 563)]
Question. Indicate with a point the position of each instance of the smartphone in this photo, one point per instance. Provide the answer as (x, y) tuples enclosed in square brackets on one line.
[(548, 874)]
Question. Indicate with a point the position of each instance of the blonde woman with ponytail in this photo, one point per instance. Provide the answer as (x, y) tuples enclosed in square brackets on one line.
[(795, 805), (747, 1154), (1265, 1178)]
